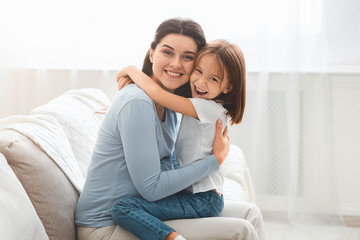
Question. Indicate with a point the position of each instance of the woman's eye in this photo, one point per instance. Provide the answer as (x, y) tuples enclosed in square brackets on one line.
[(198, 70), (168, 52), (189, 58)]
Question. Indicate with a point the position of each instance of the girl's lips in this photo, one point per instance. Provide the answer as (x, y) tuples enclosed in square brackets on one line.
[(199, 91)]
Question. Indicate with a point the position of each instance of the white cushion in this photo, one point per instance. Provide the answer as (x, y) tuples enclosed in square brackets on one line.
[(238, 184), (14, 203)]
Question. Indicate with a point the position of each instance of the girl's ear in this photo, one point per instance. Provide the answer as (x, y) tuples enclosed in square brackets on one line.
[(151, 53), (227, 89)]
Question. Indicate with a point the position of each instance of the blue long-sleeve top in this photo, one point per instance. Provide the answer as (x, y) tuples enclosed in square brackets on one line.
[(132, 156)]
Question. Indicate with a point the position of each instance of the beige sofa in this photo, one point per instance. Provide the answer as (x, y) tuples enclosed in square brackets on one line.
[(43, 164)]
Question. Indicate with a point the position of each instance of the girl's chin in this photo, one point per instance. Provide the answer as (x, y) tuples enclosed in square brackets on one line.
[(194, 95)]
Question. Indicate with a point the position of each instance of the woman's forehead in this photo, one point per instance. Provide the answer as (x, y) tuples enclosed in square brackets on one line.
[(179, 42)]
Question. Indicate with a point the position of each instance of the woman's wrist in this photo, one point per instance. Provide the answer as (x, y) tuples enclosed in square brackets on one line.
[(220, 158)]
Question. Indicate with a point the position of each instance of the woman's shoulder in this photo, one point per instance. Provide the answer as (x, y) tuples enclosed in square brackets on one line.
[(130, 93)]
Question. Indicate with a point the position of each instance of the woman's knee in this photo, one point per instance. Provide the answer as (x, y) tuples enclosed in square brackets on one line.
[(254, 214), (244, 230)]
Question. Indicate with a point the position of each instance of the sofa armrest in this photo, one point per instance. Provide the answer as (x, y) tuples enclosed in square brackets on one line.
[(19, 219), (51, 193)]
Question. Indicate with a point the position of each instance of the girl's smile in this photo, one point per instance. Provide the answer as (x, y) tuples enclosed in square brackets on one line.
[(199, 91), (208, 80)]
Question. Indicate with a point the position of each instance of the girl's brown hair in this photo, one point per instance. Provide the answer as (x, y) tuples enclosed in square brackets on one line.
[(231, 61), (186, 27)]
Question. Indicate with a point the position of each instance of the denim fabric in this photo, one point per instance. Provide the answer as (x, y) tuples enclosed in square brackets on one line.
[(144, 218)]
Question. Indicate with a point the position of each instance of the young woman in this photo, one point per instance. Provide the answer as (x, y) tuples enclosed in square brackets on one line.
[(218, 91), (135, 143)]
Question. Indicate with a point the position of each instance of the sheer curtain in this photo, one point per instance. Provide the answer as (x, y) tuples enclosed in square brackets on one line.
[(48, 47), (286, 133)]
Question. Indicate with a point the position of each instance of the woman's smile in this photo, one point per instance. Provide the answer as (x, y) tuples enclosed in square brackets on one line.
[(173, 74)]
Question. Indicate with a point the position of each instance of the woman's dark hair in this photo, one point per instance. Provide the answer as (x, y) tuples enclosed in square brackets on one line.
[(186, 27)]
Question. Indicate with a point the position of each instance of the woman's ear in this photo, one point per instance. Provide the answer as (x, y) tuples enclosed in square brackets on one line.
[(151, 53)]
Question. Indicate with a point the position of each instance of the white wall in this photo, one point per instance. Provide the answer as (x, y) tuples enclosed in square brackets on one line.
[(22, 90), (343, 30), (346, 130)]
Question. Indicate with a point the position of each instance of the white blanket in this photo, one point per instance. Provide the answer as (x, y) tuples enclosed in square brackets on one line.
[(65, 129), (48, 134)]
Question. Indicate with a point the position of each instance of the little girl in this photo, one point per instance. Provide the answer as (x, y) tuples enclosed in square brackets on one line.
[(218, 92)]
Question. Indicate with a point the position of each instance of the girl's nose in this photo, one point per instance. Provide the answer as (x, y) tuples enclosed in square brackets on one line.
[(202, 80)]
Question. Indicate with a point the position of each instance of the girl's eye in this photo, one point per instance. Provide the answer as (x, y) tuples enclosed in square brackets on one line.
[(213, 79), (198, 70)]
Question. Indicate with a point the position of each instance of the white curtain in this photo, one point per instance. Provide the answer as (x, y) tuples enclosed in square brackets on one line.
[(291, 46)]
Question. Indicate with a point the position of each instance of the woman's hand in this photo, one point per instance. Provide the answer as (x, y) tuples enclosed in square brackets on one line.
[(123, 79), (221, 144)]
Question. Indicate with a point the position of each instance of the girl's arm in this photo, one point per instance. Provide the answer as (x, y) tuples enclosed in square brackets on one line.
[(169, 100)]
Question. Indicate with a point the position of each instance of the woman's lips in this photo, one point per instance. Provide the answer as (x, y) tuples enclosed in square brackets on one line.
[(173, 74)]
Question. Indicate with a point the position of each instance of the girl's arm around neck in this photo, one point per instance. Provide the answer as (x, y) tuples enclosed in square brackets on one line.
[(167, 99)]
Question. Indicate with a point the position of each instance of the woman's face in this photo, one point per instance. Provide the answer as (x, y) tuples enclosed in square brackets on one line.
[(173, 61)]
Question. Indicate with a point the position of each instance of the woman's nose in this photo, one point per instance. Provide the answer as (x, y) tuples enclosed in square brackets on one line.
[(176, 63)]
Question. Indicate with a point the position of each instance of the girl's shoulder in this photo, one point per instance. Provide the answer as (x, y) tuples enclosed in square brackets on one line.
[(205, 104), (208, 111)]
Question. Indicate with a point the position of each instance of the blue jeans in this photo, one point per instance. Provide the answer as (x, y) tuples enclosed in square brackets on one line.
[(144, 218)]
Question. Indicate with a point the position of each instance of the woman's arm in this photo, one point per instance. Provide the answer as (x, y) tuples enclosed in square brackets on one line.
[(169, 100), (136, 126)]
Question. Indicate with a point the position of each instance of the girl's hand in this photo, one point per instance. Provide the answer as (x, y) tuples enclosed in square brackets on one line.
[(123, 79), (123, 82), (221, 144)]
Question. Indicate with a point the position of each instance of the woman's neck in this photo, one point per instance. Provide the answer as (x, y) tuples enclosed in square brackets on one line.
[(161, 85), (160, 110)]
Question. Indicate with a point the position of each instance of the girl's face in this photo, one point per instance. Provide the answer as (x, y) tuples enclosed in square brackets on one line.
[(173, 61), (206, 81)]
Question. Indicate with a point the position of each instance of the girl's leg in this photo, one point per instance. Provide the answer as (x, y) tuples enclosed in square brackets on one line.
[(144, 219), (247, 211)]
